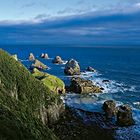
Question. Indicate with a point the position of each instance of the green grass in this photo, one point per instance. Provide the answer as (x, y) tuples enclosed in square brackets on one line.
[(22, 98), (51, 81)]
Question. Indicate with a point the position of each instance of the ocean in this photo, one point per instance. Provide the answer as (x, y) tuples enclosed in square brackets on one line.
[(120, 65)]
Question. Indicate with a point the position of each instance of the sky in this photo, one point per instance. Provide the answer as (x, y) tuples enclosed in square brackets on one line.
[(70, 21)]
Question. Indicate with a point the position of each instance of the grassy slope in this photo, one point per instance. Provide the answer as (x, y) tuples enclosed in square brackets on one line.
[(51, 81), (21, 100)]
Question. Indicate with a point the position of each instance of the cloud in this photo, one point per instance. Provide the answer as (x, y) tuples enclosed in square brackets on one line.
[(109, 27)]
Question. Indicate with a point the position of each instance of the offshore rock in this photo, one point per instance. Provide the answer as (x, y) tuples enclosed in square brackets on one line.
[(72, 68), (57, 60), (31, 57), (124, 116), (44, 55), (90, 69), (81, 86), (110, 108), (39, 65)]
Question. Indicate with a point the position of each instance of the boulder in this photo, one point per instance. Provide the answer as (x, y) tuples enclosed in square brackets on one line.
[(57, 60), (90, 69), (72, 68), (31, 57), (44, 55), (124, 116), (52, 82), (110, 108), (39, 65), (15, 57), (81, 86)]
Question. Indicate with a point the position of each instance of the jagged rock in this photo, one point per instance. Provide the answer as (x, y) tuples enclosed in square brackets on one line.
[(44, 55), (39, 65), (124, 116), (91, 69), (15, 57), (57, 60), (52, 82), (110, 108), (72, 67), (80, 85), (31, 57)]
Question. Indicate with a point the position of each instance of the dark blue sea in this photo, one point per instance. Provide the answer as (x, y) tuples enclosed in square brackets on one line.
[(120, 65)]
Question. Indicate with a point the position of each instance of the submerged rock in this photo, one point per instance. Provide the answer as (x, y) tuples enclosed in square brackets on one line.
[(110, 108), (72, 67), (124, 116), (39, 65), (31, 57), (57, 60), (90, 69), (15, 57), (105, 81), (52, 82), (80, 85), (44, 55)]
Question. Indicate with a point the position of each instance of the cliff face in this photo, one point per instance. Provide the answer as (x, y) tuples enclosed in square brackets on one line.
[(26, 104)]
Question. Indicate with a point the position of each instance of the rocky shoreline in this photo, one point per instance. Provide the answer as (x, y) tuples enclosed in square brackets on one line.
[(71, 123)]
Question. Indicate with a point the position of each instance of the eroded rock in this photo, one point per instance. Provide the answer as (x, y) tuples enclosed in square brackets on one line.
[(44, 55), (110, 108), (57, 60), (31, 57), (90, 69), (72, 67), (124, 116), (80, 85)]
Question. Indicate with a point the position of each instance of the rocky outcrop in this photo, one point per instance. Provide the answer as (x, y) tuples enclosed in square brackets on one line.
[(44, 55), (81, 86), (72, 68), (31, 57), (124, 116), (50, 81), (110, 108), (39, 65), (90, 69), (105, 81), (57, 60)]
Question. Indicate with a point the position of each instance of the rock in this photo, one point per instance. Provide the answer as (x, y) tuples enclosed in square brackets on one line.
[(110, 108), (44, 55), (91, 69), (52, 82), (57, 60), (39, 65), (124, 116), (31, 57), (72, 67), (15, 57), (105, 81), (80, 85)]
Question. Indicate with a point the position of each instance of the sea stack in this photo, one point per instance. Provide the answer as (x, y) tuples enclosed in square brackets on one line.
[(72, 67), (31, 57), (57, 60)]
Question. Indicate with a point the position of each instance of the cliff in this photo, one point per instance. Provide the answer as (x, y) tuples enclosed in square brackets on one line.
[(26, 104)]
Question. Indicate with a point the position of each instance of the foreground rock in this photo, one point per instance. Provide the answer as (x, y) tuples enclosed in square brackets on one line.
[(44, 55), (90, 69), (81, 86), (72, 68), (31, 57), (57, 60), (39, 65), (110, 108), (52, 82), (124, 116)]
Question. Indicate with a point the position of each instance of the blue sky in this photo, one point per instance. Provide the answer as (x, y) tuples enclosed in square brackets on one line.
[(70, 21)]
